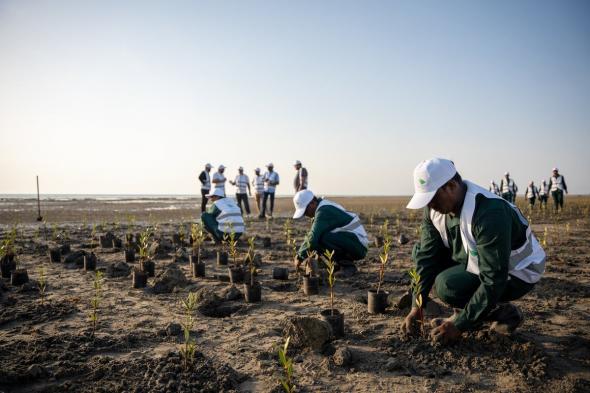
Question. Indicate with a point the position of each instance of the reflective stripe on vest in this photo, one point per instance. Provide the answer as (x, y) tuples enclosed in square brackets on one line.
[(543, 189), (258, 183), (219, 176), (531, 192), (354, 226), (271, 176), (241, 183), (507, 186), (526, 262), (230, 217), (557, 183)]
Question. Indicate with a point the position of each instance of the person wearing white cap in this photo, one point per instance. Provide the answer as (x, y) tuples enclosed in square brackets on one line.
[(543, 194), (258, 184), (333, 229), (271, 181), (508, 188), (476, 249), (222, 217), (205, 180), (300, 182), (242, 183), (557, 186), (219, 179), (531, 194), (494, 188)]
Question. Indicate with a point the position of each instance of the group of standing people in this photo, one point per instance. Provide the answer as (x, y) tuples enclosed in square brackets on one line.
[(556, 186), (226, 214)]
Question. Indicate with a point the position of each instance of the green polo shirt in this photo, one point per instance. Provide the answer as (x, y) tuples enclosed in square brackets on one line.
[(327, 218), (497, 230)]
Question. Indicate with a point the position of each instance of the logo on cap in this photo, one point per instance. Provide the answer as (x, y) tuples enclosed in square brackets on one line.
[(422, 181)]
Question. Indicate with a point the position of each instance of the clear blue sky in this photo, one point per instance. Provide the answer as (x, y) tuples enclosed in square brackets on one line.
[(106, 97)]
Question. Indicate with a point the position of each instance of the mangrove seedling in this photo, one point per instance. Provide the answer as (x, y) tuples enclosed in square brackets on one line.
[(330, 266), (250, 257), (198, 237), (383, 257), (144, 244), (95, 302), (287, 365), (233, 247), (417, 294), (187, 351), (42, 283)]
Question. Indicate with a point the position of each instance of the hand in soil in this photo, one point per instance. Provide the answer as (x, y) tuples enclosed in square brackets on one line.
[(409, 325), (446, 333)]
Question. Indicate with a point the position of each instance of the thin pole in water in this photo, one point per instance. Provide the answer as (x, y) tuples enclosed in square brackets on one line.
[(39, 218)]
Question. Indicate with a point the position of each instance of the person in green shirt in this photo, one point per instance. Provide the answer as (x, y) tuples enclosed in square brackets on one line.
[(476, 250), (333, 229)]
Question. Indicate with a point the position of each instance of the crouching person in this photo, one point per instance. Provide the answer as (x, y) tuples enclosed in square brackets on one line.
[(222, 217), (476, 249), (333, 229)]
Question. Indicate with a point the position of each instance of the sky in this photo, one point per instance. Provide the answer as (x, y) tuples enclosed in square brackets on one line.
[(134, 97)]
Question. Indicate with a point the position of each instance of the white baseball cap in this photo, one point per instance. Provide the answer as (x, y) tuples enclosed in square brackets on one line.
[(270, 165), (221, 167), (429, 176), (297, 162), (555, 169), (301, 200), (506, 173), (208, 166), (215, 191)]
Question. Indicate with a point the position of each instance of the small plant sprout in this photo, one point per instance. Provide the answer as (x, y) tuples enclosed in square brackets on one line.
[(233, 247), (417, 292), (181, 234), (250, 257), (42, 283), (385, 230), (144, 241), (287, 364), (330, 266), (187, 351), (198, 237), (545, 234), (92, 235), (95, 302), (383, 257), (287, 230), (8, 244)]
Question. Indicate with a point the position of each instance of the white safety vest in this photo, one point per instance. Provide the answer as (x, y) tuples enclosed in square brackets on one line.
[(531, 192), (495, 189), (207, 184), (220, 185), (242, 183), (258, 183), (270, 176), (526, 262), (230, 217), (508, 186), (543, 189), (557, 183), (355, 226)]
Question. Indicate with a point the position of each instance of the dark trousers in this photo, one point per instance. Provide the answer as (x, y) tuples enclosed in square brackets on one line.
[(272, 203), (243, 198), (455, 286), (346, 247), (204, 200), (543, 200), (532, 201), (507, 196), (557, 199)]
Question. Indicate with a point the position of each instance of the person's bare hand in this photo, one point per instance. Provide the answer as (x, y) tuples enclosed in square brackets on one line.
[(446, 333), (297, 263), (410, 324)]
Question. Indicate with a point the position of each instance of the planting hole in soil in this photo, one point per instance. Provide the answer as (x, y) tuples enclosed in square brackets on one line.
[(19, 277), (266, 242), (376, 302), (280, 273), (336, 320)]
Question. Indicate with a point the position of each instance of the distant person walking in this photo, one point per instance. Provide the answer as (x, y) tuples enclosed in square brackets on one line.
[(271, 181), (205, 180), (219, 179), (300, 182), (557, 186), (258, 183), (242, 183), (494, 188), (543, 194), (531, 194), (222, 217), (508, 188)]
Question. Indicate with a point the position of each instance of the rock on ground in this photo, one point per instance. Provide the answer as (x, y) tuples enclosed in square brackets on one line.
[(307, 332)]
